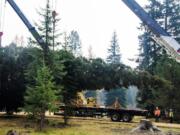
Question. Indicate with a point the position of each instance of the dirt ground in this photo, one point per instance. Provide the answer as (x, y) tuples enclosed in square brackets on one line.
[(82, 126)]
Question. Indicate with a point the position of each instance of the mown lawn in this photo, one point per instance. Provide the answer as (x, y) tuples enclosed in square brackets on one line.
[(77, 126)]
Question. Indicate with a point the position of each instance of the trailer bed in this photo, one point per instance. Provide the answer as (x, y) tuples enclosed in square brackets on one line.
[(125, 115)]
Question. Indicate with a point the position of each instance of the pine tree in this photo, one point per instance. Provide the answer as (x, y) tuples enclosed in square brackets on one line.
[(150, 50), (74, 43), (42, 96), (65, 42), (47, 27), (12, 83), (171, 11), (167, 14), (114, 58), (114, 55)]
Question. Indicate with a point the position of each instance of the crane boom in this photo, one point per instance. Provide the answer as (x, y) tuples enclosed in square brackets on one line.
[(32, 29), (161, 36)]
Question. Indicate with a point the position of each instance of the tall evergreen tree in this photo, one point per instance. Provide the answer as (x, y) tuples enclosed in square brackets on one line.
[(12, 80), (47, 27), (166, 13), (114, 55), (171, 11), (42, 96), (155, 60), (150, 50), (74, 43), (114, 58), (170, 70)]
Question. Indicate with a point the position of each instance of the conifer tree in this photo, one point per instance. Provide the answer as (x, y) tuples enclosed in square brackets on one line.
[(74, 43), (114, 58), (150, 51), (166, 13), (114, 55), (42, 96), (154, 58), (47, 27)]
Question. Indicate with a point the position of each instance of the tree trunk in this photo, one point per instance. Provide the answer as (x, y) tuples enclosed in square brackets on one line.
[(42, 117), (66, 116)]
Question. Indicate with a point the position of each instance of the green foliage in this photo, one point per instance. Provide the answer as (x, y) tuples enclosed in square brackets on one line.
[(156, 61), (153, 90), (12, 80), (166, 13), (170, 70), (47, 27), (33, 59), (90, 93), (150, 50), (119, 93), (42, 96)]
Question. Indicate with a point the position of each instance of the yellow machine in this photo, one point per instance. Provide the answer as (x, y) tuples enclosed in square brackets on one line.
[(82, 101)]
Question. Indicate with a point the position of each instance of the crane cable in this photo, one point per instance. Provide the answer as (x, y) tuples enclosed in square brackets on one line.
[(2, 14)]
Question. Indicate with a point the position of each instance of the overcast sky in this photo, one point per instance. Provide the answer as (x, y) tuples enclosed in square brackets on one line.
[(95, 21)]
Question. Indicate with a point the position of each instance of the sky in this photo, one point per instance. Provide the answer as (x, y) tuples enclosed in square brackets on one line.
[(95, 21)]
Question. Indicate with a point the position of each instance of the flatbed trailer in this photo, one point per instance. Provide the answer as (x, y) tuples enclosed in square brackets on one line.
[(125, 115)]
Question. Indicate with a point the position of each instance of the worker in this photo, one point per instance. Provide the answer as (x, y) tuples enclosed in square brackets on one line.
[(171, 115), (157, 114)]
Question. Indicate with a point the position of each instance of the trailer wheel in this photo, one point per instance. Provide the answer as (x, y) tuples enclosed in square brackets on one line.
[(126, 117), (115, 117)]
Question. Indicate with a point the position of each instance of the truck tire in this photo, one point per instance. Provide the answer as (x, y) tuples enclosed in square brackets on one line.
[(115, 117), (126, 117)]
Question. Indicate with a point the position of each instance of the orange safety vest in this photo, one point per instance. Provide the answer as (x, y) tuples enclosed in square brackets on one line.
[(157, 112)]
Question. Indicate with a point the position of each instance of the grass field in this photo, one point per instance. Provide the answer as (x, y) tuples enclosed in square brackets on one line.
[(77, 126)]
